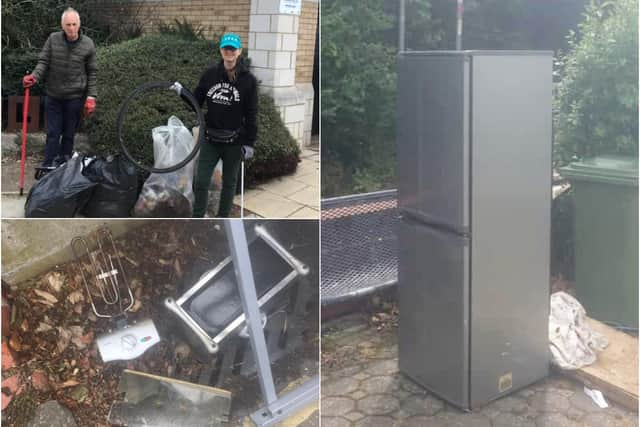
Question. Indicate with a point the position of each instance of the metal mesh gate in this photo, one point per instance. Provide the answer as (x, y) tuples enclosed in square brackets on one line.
[(358, 244)]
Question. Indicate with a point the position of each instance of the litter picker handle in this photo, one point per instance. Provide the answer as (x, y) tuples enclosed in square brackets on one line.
[(25, 122), (242, 189)]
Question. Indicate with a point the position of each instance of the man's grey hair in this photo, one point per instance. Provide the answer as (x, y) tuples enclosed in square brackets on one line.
[(69, 10)]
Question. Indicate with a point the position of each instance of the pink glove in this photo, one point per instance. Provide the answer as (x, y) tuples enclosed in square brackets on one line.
[(28, 81), (89, 106)]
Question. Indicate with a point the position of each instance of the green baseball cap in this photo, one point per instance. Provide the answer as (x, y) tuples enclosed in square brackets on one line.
[(230, 40)]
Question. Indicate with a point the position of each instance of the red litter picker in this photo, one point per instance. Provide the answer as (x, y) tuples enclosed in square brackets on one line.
[(25, 123)]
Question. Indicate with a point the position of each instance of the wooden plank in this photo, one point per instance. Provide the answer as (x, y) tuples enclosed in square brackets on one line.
[(615, 373)]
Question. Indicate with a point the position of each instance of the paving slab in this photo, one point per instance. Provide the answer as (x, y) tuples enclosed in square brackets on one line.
[(384, 396), (307, 167), (11, 173), (310, 179), (8, 144), (248, 194), (308, 196), (12, 205), (305, 213), (292, 196), (308, 153), (283, 186), (270, 205)]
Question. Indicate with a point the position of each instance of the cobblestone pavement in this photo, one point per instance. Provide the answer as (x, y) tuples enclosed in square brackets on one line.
[(361, 386)]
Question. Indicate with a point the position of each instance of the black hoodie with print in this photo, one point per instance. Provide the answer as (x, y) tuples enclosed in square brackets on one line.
[(230, 105)]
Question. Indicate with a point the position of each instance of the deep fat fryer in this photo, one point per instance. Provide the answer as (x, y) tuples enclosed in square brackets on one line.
[(212, 310)]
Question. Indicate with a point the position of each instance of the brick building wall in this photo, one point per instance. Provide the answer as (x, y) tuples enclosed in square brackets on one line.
[(306, 41), (216, 16), (293, 99)]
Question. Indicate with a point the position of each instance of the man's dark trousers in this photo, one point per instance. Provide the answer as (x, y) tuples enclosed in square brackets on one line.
[(63, 116)]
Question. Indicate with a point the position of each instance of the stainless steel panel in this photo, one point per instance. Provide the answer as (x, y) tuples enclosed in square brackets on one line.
[(433, 149), (510, 207), (433, 295)]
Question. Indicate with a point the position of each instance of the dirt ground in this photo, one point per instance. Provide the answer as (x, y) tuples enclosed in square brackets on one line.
[(53, 328)]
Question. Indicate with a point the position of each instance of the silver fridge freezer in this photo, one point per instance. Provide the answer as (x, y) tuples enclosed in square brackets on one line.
[(474, 192)]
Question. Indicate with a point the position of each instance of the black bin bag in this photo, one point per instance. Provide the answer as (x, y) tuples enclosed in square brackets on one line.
[(117, 188), (61, 193)]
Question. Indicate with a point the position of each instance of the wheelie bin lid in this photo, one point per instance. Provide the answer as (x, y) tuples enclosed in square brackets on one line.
[(608, 169)]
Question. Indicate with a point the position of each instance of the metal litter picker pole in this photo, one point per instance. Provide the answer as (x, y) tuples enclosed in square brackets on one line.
[(276, 408), (459, 13), (25, 122), (242, 189)]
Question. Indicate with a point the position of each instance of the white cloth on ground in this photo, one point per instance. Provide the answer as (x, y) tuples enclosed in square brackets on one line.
[(572, 342)]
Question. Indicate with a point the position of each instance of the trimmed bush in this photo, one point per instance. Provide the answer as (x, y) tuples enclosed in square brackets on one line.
[(124, 66), (15, 64), (597, 99)]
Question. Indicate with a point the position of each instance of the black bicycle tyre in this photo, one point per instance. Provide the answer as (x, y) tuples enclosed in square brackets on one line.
[(124, 107)]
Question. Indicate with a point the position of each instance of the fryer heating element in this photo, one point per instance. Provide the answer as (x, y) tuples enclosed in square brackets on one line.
[(107, 281), (107, 277)]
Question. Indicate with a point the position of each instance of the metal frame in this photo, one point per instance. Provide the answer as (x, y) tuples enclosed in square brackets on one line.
[(212, 343), (354, 199), (342, 216), (276, 408)]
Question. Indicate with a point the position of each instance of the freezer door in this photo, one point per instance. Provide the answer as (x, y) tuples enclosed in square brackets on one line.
[(511, 205), (433, 139), (433, 295)]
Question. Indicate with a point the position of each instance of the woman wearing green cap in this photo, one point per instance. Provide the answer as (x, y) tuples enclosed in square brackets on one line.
[(231, 94)]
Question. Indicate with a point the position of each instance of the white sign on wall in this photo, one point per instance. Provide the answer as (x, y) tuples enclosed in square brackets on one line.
[(290, 7)]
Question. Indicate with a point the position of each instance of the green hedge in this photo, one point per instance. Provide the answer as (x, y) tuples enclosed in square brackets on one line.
[(14, 66), (124, 66), (597, 100)]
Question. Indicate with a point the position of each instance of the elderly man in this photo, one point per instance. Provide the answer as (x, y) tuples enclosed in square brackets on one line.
[(68, 64)]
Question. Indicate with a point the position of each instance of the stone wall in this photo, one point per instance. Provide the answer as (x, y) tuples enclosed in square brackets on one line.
[(30, 248)]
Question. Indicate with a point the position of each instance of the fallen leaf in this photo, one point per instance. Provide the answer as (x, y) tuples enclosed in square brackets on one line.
[(75, 296), (11, 387), (15, 343), (8, 361), (84, 363), (40, 381), (87, 338), (178, 268), (136, 306), (77, 333), (68, 383), (182, 350), (135, 264), (64, 338), (55, 281), (24, 325), (41, 301), (44, 327), (164, 261), (46, 295), (78, 308)]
